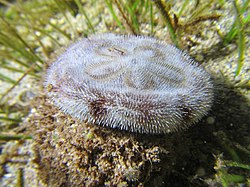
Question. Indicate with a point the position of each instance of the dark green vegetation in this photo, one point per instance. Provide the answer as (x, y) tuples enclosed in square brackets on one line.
[(24, 25)]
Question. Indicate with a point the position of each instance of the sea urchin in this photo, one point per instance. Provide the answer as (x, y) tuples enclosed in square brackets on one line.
[(133, 83)]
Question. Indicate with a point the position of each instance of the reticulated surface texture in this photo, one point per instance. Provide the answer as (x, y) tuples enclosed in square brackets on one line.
[(133, 83)]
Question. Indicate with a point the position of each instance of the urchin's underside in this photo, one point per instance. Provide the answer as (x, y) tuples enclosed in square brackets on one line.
[(138, 84)]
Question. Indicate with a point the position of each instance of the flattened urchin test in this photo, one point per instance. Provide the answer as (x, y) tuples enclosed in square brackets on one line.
[(132, 83)]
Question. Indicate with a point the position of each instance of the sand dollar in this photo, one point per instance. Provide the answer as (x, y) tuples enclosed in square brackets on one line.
[(132, 83)]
